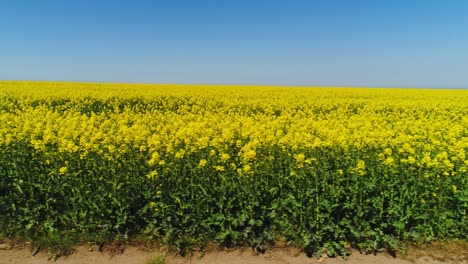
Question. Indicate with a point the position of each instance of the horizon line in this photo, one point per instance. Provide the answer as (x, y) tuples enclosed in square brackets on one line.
[(242, 84)]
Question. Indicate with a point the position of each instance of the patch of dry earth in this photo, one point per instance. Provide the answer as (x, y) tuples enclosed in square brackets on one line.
[(134, 255)]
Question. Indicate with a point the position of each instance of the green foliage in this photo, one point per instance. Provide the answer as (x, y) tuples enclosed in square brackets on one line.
[(317, 208)]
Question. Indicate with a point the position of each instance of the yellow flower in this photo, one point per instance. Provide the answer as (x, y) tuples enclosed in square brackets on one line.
[(152, 174), (361, 165), (388, 151), (155, 158), (63, 170), (299, 157), (390, 161), (225, 157), (180, 154), (360, 168), (249, 154), (202, 162)]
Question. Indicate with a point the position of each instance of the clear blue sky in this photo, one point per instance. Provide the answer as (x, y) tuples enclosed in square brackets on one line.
[(394, 43)]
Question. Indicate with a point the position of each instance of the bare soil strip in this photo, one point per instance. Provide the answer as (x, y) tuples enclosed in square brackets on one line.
[(136, 255)]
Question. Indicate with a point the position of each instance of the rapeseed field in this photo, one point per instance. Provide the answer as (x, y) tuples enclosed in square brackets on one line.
[(323, 168)]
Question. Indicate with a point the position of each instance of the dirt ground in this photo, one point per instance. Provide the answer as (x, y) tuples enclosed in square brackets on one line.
[(134, 255)]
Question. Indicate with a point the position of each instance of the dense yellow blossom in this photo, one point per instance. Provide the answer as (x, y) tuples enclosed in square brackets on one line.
[(234, 127)]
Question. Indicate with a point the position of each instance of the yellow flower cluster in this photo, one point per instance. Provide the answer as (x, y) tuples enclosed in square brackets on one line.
[(230, 127)]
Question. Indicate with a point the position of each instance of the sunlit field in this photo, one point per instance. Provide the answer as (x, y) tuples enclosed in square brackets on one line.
[(324, 169)]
